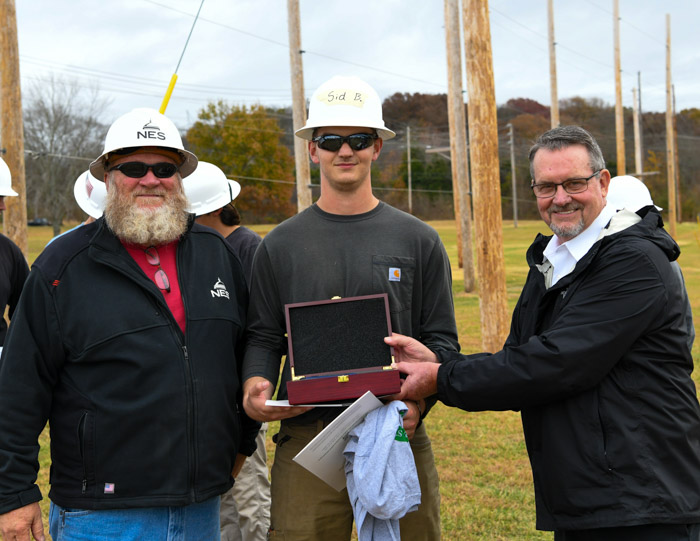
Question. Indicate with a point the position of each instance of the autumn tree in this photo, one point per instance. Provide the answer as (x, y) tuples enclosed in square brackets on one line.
[(246, 143), (62, 135)]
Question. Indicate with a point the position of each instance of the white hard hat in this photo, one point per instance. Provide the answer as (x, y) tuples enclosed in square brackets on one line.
[(626, 191), (208, 189), (90, 194), (345, 101), (141, 128), (5, 180)]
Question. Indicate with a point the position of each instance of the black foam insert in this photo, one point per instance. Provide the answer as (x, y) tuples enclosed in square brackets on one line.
[(339, 336)]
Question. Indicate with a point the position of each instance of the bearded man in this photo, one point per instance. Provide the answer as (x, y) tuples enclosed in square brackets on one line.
[(128, 341)]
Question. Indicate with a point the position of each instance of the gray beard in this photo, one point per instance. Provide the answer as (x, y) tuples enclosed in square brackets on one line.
[(146, 226), (569, 232)]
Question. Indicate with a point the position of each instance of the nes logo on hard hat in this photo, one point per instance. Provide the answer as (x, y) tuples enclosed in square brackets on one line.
[(345, 101), (144, 128), (150, 132)]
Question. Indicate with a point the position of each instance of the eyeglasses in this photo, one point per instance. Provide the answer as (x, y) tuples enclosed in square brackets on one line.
[(357, 141), (154, 259), (140, 169), (544, 190)]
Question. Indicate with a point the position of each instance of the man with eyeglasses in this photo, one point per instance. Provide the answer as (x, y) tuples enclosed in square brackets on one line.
[(597, 360), (347, 244), (128, 339)]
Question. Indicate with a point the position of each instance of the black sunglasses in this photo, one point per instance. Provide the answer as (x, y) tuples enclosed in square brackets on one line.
[(140, 169), (357, 141)]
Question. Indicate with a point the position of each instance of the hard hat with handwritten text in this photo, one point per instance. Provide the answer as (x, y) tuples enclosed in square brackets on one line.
[(140, 128), (345, 101)]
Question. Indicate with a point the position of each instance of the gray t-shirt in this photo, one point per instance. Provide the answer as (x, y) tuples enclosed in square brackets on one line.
[(316, 256)]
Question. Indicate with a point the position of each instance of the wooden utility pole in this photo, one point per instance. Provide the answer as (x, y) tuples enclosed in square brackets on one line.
[(670, 154), (301, 156), (641, 117), (408, 165), (619, 112), (483, 149), (676, 168), (637, 138), (458, 145), (512, 174), (554, 109), (11, 126)]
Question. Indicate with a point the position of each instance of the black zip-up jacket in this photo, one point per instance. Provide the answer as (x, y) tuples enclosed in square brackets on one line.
[(600, 366), (140, 414)]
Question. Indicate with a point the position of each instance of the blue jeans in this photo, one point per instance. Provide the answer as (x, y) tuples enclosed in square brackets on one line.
[(195, 522)]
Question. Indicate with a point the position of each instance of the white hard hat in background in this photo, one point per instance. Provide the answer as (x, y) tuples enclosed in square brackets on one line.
[(5, 180), (628, 192), (90, 194), (345, 101), (208, 189), (139, 128)]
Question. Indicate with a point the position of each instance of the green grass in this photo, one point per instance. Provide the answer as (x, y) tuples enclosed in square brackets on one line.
[(486, 483)]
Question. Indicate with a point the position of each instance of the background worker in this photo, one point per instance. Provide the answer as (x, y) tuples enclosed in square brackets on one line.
[(245, 508), (90, 194), (628, 192), (129, 346), (13, 265), (347, 244), (597, 360)]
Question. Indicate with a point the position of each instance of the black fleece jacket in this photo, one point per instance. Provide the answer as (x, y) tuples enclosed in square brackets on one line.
[(599, 364), (140, 414)]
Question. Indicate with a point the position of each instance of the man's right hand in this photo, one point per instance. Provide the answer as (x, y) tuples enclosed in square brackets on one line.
[(256, 391), (23, 523)]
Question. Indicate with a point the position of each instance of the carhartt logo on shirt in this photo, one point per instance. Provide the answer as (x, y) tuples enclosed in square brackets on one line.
[(394, 274), (219, 290)]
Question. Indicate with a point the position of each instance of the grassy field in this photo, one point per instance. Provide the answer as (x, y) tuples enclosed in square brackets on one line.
[(486, 484)]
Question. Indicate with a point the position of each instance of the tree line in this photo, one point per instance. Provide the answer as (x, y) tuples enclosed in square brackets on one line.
[(254, 145)]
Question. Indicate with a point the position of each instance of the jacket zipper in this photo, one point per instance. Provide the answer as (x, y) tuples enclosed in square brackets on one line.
[(81, 431)]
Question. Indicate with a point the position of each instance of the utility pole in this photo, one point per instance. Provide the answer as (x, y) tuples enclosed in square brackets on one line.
[(512, 174), (11, 126), (619, 112), (483, 149), (676, 168), (670, 154), (637, 138), (641, 119), (408, 160), (458, 145), (301, 157), (554, 109)]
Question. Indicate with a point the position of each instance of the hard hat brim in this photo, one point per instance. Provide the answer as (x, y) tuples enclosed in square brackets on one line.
[(307, 132)]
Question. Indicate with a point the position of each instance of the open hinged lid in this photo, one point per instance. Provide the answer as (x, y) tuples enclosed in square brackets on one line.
[(338, 335)]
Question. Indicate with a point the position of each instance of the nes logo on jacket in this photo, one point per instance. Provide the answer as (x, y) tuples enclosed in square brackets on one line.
[(219, 290)]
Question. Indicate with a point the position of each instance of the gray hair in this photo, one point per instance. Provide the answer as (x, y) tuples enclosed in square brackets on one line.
[(563, 137)]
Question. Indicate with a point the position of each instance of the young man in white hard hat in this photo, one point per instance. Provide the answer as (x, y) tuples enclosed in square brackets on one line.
[(13, 265), (597, 361), (245, 508), (347, 244), (127, 339)]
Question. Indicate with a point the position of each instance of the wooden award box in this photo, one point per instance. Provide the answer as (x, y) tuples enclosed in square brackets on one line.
[(337, 350)]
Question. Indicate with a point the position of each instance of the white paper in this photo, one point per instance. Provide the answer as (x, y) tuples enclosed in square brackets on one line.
[(323, 456), (286, 404)]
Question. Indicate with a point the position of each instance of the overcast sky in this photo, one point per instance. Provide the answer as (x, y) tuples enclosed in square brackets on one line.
[(238, 50)]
